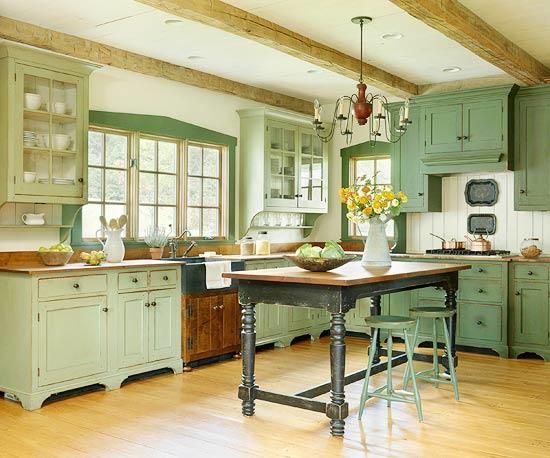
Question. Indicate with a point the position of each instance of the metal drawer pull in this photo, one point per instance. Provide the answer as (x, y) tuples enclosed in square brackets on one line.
[(105, 309), (479, 322), (147, 304), (480, 270), (480, 291), (529, 273), (153, 304), (134, 280), (165, 278), (76, 286)]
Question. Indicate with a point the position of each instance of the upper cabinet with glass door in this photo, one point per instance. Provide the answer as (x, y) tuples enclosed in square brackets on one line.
[(44, 106)]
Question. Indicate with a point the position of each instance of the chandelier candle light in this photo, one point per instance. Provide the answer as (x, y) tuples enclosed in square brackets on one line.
[(376, 204), (363, 107)]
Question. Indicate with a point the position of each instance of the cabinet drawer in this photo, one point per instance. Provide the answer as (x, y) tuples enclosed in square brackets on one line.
[(486, 270), (163, 278), (531, 271), (480, 322), (132, 280), (486, 291), (69, 286)]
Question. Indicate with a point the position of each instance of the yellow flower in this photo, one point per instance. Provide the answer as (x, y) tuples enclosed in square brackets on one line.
[(365, 189), (367, 211), (389, 195), (401, 195), (363, 200), (351, 205), (376, 205), (404, 199)]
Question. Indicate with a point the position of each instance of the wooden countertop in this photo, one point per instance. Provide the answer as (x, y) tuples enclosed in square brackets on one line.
[(80, 266), (349, 274)]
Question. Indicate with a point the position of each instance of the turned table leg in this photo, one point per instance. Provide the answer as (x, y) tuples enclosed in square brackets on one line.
[(337, 409), (375, 309), (247, 389), (450, 302)]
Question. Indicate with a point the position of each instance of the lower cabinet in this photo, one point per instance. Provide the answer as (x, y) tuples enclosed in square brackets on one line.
[(210, 326), (72, 338), (77, 328)]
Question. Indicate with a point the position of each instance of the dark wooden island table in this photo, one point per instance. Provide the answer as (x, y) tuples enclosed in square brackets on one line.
[(336, 291)]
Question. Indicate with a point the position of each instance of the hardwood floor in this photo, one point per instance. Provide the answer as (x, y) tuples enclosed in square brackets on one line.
[(504, 411)]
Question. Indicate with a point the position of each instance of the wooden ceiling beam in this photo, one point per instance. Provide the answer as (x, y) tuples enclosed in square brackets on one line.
[(226, 17), (457, 22), (92, 51)]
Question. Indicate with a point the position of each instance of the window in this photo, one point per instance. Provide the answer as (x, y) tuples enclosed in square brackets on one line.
[(204, 167), (156, 181), (108, 158), (378, 167)]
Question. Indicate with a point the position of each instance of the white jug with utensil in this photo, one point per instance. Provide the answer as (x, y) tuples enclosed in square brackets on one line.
[(113, 246)]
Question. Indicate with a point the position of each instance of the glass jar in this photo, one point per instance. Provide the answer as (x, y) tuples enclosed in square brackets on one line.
[(263, 246), (530, 248), (247, 246)]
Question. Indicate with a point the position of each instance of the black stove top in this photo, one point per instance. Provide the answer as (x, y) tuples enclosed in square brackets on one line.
[(469, 252)]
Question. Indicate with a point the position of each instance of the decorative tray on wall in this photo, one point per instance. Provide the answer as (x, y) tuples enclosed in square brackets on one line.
[(482, 223), (481, 193)]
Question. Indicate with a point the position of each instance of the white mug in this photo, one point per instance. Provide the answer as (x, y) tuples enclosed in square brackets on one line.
[(59, 107), (33, 219)]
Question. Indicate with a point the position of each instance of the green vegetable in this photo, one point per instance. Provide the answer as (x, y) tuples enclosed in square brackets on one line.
[(331, 250)]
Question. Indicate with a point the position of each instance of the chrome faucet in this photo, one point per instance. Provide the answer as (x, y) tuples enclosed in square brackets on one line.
[(173, 244)]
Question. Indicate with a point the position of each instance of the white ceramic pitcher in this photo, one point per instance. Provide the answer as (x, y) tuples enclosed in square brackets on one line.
[(113, 246)]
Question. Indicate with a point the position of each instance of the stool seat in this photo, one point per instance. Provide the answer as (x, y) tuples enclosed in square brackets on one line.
[(431, 312), (390, 322)]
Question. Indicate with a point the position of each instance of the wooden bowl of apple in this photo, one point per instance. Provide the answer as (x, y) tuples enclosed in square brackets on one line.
[(56, 255)]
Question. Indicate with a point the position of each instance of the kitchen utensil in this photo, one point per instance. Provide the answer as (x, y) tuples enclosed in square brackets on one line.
[(103, 222), (478, 243), (122, 221), (481, 193), (29, 177), (452, 244), (113, 224), (482, 223), (59, 108), (319, 264), (32, 219), (33, 101), (61, 142)]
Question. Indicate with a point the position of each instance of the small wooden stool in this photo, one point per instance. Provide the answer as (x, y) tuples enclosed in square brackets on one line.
[(433, 374), (390, 323)]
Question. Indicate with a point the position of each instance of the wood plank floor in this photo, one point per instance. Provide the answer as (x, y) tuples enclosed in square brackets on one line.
[(504, 411)]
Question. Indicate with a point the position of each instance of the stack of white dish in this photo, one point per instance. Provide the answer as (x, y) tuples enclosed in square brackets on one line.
[(69, 181), (29, 138), (43, 180)]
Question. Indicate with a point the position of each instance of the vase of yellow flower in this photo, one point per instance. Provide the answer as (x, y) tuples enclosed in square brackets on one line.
[(376, 204)]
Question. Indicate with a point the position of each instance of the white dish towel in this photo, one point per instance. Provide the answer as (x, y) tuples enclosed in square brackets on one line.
[(214, 271)]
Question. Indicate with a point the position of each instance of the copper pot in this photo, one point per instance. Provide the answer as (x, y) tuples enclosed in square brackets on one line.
[(479, 243), (452, 244)]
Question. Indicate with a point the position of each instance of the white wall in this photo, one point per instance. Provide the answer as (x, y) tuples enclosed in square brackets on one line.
[(512, 226)]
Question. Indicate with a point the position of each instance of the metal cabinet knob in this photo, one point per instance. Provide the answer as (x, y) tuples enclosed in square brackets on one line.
[(153, 304), (147, 304), (215, 307), (480, 291), (165, 278), (517, 293), (479, 322), (522, 191), (134, 280), (480, 270), (221, 307), (76, 286), (105, 309), (298, 195), (81, 180), (420, 194), (466, 137), (459, 137), (529, 273)]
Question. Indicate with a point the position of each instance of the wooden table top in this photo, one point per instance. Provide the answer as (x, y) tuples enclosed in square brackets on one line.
[(349, 274)]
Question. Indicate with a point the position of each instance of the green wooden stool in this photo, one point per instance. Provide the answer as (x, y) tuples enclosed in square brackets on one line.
[(433, 374), (390, 323)]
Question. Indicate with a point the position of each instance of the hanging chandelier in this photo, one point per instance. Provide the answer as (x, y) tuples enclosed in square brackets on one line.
[(366, 108)]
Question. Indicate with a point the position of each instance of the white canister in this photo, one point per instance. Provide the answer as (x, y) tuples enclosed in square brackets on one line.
[(113, 247)]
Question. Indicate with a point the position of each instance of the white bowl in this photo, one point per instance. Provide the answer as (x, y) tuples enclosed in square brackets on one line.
[(33, 101), (61, 141), (44, 140), (59, 108), (29, 177)]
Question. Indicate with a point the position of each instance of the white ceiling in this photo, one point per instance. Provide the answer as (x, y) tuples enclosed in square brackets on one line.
[(418, 57)]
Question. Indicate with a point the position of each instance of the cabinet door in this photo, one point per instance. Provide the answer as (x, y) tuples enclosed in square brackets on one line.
[(313, 172), (72, 339), (483, 129), (270, 320), (444, 129), (530, 314), (532, 167), (133, 329), (50, 138), (298, 318), (281, 165), (198, 326), (229, 322), (164, 324)]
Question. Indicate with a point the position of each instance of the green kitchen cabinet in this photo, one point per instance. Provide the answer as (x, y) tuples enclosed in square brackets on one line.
[(408, 175), (73, 339), (298, 318), (86, 326), (530, 313), (44, 139), (284, 165), (468, 131), (532, 137)]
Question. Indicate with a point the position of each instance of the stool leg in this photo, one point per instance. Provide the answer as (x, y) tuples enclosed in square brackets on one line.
[(410, 355), (372, 355), (451, 362), (435, 355), (415, 337), (389, 385)]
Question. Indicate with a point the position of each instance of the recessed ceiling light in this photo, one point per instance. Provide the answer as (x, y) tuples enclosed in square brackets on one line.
[(194, 57), (392, 36), (451, 69), (173, 21), (312, 71)]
